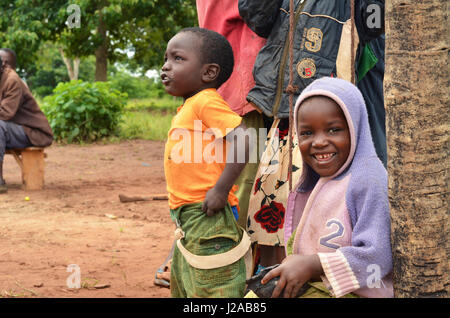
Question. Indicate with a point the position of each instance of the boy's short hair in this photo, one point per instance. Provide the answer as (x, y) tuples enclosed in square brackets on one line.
[(215, 49)]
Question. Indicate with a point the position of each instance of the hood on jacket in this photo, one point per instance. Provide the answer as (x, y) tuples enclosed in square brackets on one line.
[(351, 102)]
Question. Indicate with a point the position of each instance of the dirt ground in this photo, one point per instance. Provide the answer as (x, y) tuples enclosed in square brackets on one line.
[(78, 219)]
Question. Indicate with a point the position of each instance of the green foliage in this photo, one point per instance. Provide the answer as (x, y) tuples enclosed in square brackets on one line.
[(49, 69), (139, 26), (82, 111), (136, 87), (165, 19), (24, 24)]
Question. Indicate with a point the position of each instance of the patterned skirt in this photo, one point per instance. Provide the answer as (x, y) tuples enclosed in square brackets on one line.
[(268, 198)]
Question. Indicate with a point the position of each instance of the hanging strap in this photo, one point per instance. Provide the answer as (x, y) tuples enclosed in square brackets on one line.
[(290, 89), (352, 62)]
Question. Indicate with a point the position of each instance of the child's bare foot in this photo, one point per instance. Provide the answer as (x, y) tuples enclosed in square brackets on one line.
[(163, 275)]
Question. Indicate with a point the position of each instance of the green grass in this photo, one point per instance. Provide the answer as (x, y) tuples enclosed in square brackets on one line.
[(148, 125), (163, 104), (148, 118)]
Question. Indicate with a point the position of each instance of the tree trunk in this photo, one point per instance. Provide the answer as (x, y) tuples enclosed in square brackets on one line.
[(71, 70), (68, 63), (416, 85), (76, 67), (101, 54)]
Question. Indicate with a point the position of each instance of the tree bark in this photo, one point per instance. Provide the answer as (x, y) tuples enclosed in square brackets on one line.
[(76, 67), (101, 54), (416, 88), (71, 70)]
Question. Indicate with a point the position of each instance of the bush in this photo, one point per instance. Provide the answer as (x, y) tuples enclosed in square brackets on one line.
[(82, 111)]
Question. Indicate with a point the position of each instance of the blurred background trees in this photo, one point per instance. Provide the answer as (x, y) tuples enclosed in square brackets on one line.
[(93, 64), (57, 42)]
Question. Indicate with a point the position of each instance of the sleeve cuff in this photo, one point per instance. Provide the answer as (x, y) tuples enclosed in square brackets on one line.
[(338, 273)]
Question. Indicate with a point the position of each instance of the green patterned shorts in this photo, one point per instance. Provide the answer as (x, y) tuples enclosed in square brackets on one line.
[(206, 235)]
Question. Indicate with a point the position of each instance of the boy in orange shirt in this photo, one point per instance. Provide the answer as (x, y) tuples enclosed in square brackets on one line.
[(200, 184)]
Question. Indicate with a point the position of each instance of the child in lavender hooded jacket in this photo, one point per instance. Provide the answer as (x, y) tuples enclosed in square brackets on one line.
[(337, 220)]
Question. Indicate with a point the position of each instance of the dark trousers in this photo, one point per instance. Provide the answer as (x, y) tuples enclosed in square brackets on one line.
[(12, 136)]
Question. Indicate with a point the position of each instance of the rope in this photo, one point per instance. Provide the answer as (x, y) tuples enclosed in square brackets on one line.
[(322, 16), (352, 54), (290, 88)]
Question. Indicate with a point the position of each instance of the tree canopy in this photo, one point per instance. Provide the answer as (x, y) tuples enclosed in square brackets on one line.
[(108, 29)]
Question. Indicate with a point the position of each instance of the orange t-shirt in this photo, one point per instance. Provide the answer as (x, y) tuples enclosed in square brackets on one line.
[(195, 152)]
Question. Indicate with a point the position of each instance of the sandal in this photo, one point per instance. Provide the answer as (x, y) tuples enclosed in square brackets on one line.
[(160, 280)]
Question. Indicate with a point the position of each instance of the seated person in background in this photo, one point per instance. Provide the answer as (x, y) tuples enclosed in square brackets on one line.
[(9, 57), (22, 123)]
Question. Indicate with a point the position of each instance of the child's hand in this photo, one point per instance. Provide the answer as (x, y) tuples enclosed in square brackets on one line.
[(294, 272), (214, 202)]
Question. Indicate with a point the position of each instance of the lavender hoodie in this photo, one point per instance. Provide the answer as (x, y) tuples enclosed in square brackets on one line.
[(344, 218)]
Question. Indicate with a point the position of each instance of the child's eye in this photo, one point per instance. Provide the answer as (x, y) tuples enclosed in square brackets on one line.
[(305, 133), (178, 58), (334, 130)]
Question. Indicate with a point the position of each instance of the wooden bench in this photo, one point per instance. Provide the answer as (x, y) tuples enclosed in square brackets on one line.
[(31, 162)]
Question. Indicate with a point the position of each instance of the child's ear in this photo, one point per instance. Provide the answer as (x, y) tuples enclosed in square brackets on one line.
[(211, 72)]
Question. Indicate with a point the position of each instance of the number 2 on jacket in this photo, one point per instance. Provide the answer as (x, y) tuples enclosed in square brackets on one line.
[(338, 232)]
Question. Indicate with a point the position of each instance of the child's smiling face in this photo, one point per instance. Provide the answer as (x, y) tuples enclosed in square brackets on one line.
[(182, 70), (324, 136)]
